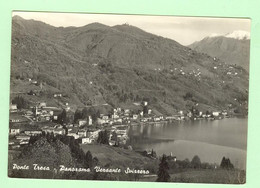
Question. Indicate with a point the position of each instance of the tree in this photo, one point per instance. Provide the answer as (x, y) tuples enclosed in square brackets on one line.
[(163, 172), (195, 162), (90, 112), (20, 102), (103, 137), (188, 96), (114, 136), (66, 129), (77, 115), (85, 113), (153, 154), (145, 109), (88, 160), (31, 93), (62, 118), (95, 161), (226, 164)]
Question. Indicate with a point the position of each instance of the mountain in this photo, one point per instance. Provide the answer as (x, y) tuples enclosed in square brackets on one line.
[(239, 34), (120, 65), (233, 48)]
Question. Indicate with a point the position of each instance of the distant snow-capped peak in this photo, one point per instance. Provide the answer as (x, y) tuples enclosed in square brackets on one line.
[(214, 35), (239, 34)]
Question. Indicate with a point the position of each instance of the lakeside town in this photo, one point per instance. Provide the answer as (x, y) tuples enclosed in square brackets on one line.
[(85, 126)]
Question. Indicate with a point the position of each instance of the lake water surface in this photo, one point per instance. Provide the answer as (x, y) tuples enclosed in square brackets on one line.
[(210, 140)]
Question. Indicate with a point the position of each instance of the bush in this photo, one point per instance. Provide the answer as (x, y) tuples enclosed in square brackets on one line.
[(195, 162)]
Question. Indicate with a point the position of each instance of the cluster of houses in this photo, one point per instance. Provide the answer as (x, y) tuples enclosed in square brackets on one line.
[(41, 118)]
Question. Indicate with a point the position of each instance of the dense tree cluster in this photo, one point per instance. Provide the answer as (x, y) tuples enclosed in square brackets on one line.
[(85, 113), (77, 153), (20, 102), (226, 164), (195, 162), (103, 137), (62, 117)]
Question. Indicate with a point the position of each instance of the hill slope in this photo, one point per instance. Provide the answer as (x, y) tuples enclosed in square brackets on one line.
[(232, 48), (120, 65)]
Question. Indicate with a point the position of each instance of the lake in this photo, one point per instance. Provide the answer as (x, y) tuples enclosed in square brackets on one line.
[(210, 140)]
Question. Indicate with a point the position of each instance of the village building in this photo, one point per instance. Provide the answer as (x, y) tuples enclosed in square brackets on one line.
[(55, 95), (14, 130), (112, 142), (93, 133), (82, 133), (13, 107), (34, 81), (22, 137), (42, 105), (16, 118), (33, 131), (115, 116), (90, 121), (105, 117), (215, 114), (126, 112), (82, 122), (135, 116), (14, 143), (224, 113), (56, 115), (87, 140), (59, 131), (156, 119), (73, 132), (48, 130)]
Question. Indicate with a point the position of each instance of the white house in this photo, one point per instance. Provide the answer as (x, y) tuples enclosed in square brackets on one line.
[(87, 140), (90, 121), (82, 122), (22, 137), (93, 133), (13, 107), (135, 116), (57, 95), (14, 131), (73, 132), (82, 133), (59, 131), (42, 104), (32, 132), (215, 113)]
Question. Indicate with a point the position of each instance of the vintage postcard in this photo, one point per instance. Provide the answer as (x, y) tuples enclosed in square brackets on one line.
[(129, 97)]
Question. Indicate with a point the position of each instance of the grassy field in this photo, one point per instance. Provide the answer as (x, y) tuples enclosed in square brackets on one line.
[(116, 156), (220, 176)]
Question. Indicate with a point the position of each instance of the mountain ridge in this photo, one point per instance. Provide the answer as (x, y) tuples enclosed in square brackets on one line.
[(231, 48), (120, 65)]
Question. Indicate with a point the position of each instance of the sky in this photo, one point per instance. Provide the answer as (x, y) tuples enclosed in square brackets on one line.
[(184, 30)]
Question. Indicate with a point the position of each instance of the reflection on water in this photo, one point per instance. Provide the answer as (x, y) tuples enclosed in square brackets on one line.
[(211, 140)]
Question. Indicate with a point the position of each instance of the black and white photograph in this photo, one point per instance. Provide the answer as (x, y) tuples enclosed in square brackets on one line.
[(128, 97)]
